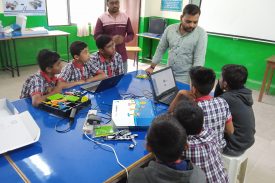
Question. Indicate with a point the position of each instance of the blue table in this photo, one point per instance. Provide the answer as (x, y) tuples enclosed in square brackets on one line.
[(70, 157), (7, 173)]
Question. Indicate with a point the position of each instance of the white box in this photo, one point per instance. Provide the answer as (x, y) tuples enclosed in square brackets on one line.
[(16, 129)]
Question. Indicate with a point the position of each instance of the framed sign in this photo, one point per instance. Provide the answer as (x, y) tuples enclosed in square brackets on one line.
[(171, 5)]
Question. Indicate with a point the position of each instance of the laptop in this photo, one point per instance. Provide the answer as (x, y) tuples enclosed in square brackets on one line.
[(164, 86), (105, 84)]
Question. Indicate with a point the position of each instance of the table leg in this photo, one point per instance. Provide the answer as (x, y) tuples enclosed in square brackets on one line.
[(2, 57), (55, 44), (263, 84), (136, 59), (11, 65), (16, 59), (269, 80), (68, 55)]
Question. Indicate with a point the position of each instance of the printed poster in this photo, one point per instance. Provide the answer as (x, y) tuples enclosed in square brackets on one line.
[(24, 7)]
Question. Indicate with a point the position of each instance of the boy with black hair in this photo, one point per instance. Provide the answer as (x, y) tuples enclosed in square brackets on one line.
[(166, 139), (217, 115), (203, 149), (107, 59), (80, 70), (231, 88), (44, 83)]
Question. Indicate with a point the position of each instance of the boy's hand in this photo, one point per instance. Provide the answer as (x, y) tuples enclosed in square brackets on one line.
[(58, 89), (118, 39)]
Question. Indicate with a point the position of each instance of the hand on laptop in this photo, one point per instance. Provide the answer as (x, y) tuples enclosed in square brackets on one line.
[(149, 71)]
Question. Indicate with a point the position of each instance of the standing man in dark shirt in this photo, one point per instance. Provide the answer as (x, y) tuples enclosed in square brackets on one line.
[(118, 25)]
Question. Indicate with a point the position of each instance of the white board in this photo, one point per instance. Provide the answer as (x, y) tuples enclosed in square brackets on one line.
[(251, 19)]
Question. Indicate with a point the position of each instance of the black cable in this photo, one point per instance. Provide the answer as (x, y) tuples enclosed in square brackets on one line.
[(65, 130), (71, 121), (102, 115)]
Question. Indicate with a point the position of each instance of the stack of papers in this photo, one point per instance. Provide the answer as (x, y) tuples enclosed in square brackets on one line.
[(34, 30)]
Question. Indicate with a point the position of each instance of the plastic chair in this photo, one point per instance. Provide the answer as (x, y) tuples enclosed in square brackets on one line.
[(236, 167)]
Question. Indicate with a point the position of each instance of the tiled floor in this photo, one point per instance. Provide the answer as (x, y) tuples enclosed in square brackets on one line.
[(261, 163)]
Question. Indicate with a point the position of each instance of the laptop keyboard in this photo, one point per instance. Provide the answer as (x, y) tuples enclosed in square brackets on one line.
[(169, 98), (90, 85)]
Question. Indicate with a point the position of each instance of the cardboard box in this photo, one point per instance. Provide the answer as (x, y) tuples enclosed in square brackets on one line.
[(137, 113), (16, 129)]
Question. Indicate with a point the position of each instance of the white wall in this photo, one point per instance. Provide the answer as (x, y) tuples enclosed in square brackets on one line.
[(1, 6), (234, 18), (152, 8)]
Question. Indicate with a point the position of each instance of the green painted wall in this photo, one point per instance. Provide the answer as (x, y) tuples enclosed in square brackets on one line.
[(221, 51), (150, 45), (28, 48)]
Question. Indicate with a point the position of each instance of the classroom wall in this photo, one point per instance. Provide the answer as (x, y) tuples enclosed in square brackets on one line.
[(28, 56), (1, 9), (220, 50)]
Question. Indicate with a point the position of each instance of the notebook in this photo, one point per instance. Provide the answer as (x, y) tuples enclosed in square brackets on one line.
[(105, 84), (164, 86), (137, 113)]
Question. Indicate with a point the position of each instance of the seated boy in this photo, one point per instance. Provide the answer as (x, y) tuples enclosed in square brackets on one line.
[(166, 139), (80, 70), (216, 111), (44, 83), (107, 59), (231, 88), (203, 149)]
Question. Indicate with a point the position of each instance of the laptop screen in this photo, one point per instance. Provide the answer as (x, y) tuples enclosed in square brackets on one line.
[(163, 81)]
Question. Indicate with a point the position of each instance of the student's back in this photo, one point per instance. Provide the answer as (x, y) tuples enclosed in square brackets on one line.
[(239, 98), (204, 151), (203, 148), (156, 172), (166, 139), (216, 113), (240, 103)]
